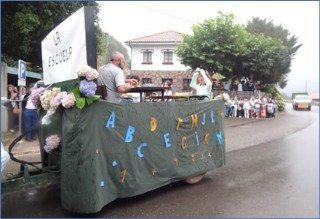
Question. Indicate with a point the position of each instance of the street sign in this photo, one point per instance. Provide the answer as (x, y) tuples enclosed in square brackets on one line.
[(22, 73)]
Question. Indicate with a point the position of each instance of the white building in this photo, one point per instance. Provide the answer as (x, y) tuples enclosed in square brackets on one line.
[(153, 59)]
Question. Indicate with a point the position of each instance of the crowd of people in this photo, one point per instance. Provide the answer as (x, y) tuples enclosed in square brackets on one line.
[(29, 115), (253, 107), (12, 106)]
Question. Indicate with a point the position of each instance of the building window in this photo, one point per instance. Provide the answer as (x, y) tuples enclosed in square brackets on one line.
[(186, 84), (146, 81), (167, 79), (167, 56), (147, 56)]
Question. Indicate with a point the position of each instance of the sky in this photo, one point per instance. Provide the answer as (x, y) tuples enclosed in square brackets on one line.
[(127, 20)]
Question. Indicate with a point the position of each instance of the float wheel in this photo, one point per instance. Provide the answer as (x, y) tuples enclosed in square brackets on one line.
[(194, 179)]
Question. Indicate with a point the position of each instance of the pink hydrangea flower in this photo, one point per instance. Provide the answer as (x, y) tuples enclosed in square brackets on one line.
[(68, 100), (88, 72), (52, 142), (47, 96)]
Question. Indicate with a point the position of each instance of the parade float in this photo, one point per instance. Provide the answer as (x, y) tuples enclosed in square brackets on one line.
[(98, 151)]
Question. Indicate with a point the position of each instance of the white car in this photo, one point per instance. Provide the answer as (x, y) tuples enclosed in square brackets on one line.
[(301, 102)]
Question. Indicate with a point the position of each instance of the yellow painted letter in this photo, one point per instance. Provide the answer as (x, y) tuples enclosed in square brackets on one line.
[(153, 124), (184, 142), (179, 123), (194, 119), (206, 141)]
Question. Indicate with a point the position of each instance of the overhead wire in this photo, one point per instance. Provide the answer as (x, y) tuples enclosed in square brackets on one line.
[(160, 12)]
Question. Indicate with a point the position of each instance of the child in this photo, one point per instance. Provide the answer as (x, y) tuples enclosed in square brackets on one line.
[(246, 108), (201, 83), (167, 85)]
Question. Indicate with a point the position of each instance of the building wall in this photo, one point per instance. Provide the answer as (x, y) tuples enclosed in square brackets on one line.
[(157, 71), (157, 77), (4, 92), (157, 58)]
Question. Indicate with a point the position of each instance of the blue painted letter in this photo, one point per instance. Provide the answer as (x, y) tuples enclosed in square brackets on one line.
[(130, 131), (111, 120), (212, 117), (166, 140), (203, 122), (219, 138), (140, 154), (197, 138)]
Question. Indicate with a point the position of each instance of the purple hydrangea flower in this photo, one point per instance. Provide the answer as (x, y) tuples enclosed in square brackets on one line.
[(88, 88), (56, 101), (35, 96)]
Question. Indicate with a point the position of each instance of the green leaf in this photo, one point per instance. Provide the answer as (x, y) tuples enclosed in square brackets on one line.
[(91, 99), (96, 97), (80, 102), (76, 90)]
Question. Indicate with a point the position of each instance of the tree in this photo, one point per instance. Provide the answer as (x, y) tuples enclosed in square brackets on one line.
[(25, 25), (102, 40), (265, 60), (258, 26), (215, 46), (109, 45), (115, 45), (219, 45)]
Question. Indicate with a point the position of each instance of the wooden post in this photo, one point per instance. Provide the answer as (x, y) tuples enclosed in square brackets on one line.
[(90, 37)]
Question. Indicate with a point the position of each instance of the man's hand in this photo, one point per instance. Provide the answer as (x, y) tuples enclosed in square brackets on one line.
[(132, 81)]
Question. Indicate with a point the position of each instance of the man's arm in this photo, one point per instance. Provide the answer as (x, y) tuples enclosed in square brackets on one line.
[(123, 88), (126, 88), (132, 81)]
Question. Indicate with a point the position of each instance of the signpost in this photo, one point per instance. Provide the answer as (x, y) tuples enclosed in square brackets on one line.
[(22, 75)]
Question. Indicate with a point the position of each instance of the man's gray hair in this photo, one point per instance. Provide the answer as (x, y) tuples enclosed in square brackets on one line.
[(116, 55)]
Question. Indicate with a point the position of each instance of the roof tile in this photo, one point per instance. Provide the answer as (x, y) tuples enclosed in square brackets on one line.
[(163, 37)]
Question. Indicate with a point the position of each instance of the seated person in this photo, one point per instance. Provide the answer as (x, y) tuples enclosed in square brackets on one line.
[(134, 96), (167, 85), (168, 91), (112, 76)]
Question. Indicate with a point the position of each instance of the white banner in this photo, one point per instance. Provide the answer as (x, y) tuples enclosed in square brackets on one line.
[(64, 49)]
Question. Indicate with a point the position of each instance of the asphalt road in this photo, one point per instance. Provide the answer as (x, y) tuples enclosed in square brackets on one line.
[(272, 170)]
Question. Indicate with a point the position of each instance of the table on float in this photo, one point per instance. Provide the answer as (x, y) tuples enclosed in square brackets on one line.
[(147, 90), (178, 97)]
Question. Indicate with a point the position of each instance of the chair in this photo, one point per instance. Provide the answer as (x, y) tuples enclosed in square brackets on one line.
[(102, 91)]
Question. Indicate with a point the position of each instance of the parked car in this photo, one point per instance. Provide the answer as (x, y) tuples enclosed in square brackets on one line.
[(301, 102)]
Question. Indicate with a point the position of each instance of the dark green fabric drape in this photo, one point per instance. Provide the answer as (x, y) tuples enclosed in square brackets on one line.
[(111, 151)]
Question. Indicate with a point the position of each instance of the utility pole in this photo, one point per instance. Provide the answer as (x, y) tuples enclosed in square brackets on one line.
[(306, 86)]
